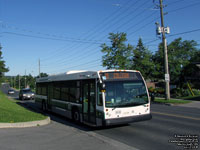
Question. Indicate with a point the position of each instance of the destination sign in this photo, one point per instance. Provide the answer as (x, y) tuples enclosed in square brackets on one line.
[(117, 75), (121, 75)]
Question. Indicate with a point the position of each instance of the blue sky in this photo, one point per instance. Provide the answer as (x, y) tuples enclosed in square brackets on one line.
[(67, 34)]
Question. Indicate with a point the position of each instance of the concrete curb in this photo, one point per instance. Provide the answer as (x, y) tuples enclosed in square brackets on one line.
[(26, 124)]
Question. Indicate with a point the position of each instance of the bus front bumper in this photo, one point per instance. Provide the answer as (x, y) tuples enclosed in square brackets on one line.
[(126, 120)]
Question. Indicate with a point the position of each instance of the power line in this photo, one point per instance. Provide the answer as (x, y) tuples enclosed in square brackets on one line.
[(32, 36), (141, 22), (130, 13), (90, 62), (77, 58), (170, 11), (90, 44), (186, 32), (115, 13), (151, 41), (174, 2), (87, 47), (3, 25), (181, 33), (144, 26)]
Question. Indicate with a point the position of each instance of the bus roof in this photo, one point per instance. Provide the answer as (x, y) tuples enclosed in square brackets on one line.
[(76, 75), (70, 75)]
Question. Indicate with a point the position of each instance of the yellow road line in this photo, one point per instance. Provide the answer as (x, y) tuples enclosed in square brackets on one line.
[(172, 115)]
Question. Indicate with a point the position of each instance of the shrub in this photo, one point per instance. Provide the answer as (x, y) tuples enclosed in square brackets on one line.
[(160, 90), (196, 91), (151, 90)]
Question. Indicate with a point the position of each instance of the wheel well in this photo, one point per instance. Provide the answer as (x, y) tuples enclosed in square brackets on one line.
[(74, 108), (43, 102)]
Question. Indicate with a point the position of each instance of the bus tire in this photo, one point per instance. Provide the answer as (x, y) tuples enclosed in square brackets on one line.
[(44, 106), (76, 115)]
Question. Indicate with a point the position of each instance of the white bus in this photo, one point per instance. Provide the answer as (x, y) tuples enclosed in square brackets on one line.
[(96, 98)]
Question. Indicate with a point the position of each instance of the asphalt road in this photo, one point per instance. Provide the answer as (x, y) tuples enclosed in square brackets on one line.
[(170, 125), (167, 122)]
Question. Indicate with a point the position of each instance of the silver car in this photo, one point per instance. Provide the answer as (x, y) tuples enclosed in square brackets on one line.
[(26, 94), (11, 91)]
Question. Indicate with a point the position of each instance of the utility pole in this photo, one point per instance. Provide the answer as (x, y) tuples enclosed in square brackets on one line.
[(167, 86), (25, 79), (19, 82), (39, 67), (11, 81), (14, 82)]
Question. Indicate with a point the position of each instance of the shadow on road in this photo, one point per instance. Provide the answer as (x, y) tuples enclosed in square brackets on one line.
[(60, 119), (32, 106)]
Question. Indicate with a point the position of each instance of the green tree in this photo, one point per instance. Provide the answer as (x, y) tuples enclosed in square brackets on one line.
[(179, 55), (142, 60), (191, 72), (42, 74), (30, 81), (117, 55), (17, 82), (3, 68)]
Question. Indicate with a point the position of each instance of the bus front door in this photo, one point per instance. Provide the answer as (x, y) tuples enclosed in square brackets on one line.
[(89, 110)]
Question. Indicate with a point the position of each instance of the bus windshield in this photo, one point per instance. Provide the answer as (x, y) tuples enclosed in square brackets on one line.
[(125, 93)]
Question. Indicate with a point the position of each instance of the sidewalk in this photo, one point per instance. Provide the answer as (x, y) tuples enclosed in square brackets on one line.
[(193, 104)]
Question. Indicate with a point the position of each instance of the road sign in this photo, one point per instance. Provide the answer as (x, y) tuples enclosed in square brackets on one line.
[(166, 77)]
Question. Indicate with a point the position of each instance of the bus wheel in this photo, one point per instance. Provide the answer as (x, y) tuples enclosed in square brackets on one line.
[(76, 116), (43, 106)]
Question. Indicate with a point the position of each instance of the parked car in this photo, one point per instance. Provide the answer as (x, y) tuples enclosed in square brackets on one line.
[(11, 91), (26, 94)]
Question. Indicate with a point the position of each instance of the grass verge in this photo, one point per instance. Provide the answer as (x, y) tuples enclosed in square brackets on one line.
[(11, 112), (194, 98), (171, 101)]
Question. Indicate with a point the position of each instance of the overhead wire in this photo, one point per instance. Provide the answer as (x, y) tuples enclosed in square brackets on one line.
[(177, 9), (87, 47), (115, 13), (118, 28), (32, 36), (53, 36), (86, 54), (89, 30), (186, 32), (67, 68), (184, 7)]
